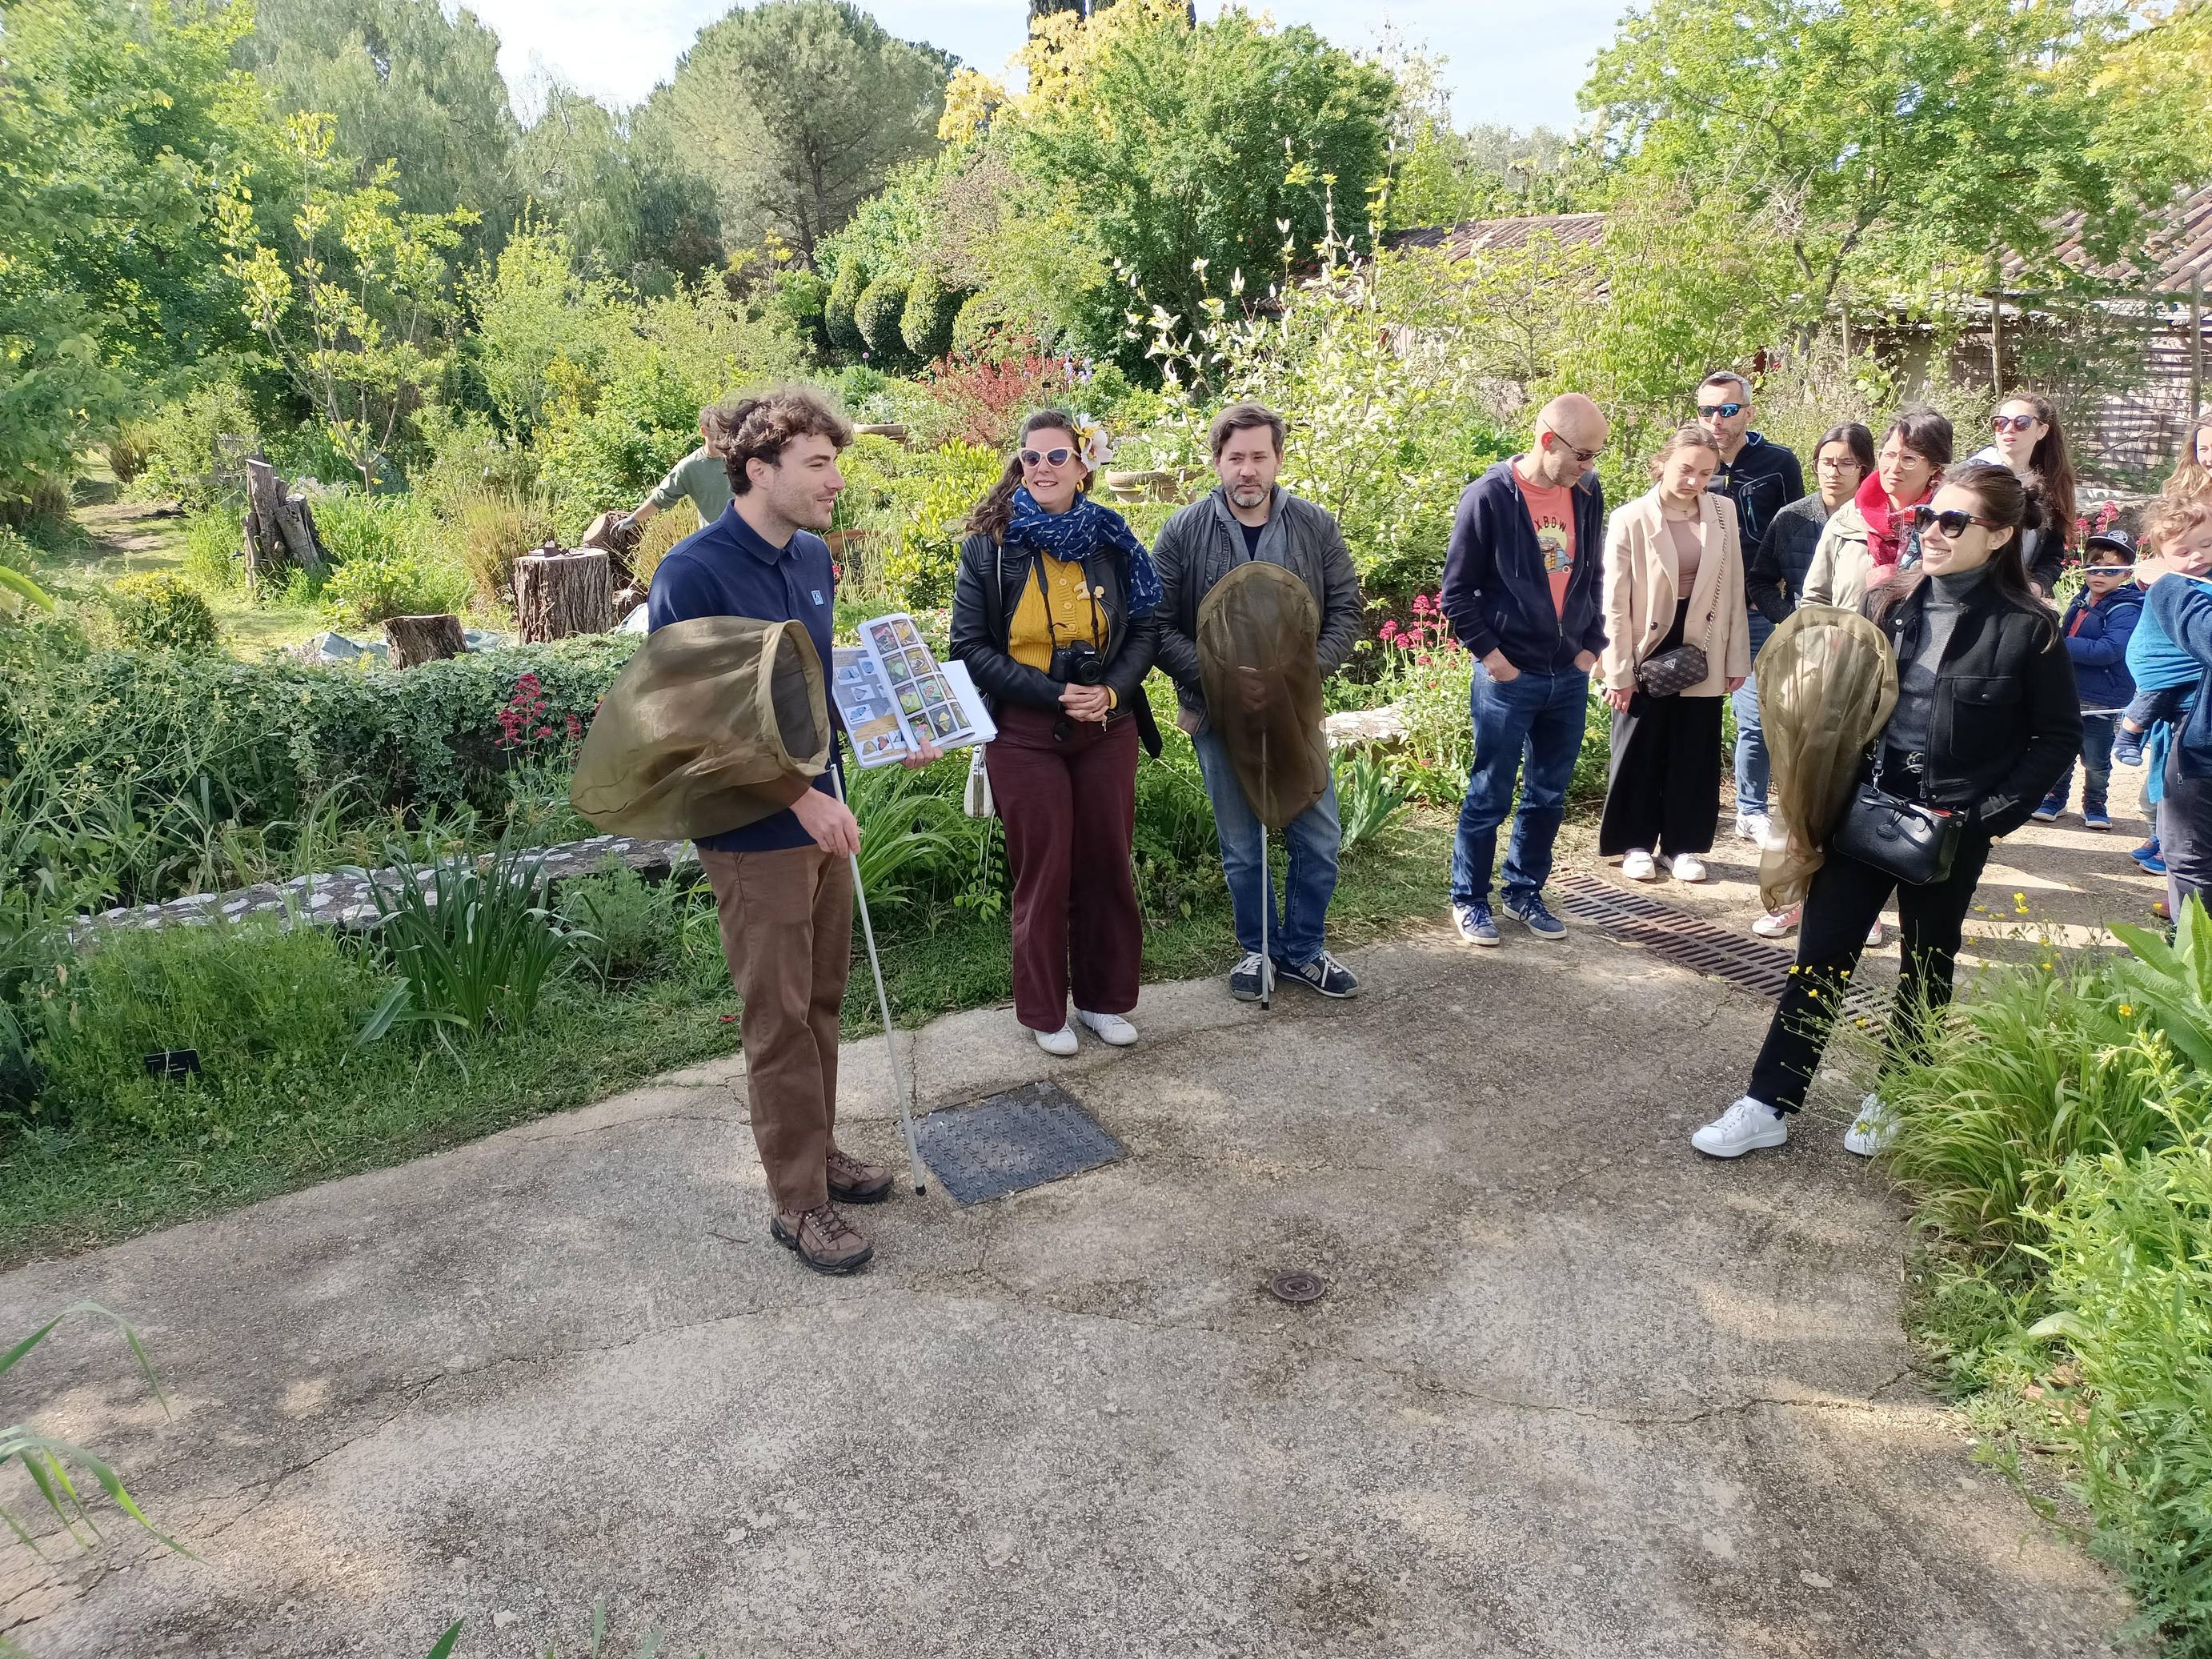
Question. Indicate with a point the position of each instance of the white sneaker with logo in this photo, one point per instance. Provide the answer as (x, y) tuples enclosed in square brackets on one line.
[(1639, 865), (1111, 1029), (1778, 924), (1746, 1127), (1752, 827), (1689, 866), (1059, 1044), (1872, 1130)]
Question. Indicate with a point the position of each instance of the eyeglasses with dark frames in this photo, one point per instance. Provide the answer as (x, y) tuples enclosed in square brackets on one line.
[(2011, 422), (1951, 521), (1585, 456), (1725, 411)]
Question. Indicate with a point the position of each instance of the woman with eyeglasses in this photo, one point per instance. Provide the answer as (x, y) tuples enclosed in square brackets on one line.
[(2029, 441), (1052, 614), (1842, 461), (1871, 538), (1985, 720)]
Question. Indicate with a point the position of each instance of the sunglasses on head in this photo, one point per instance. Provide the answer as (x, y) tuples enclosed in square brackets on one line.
[(1041, 457), (1726, 411), (2011, 422), (1952, 522)]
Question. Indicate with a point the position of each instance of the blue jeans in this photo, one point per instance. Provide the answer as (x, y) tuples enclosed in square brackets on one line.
[(1294, 933), (1539, 717), (1753, 770), (2097, 731)]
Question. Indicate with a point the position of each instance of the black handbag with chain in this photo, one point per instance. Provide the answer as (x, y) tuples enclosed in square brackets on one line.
[(1911, 840)]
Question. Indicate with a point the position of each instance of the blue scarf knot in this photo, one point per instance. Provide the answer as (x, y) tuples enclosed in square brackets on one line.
[(1081, 531)]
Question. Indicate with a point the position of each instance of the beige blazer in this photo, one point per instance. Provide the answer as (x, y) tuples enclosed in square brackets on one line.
[(1643, 585), (1842, 561)]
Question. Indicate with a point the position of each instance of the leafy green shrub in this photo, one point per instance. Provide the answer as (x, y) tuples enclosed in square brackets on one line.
[(915, 843), (494, 531), (839, 309), (187, 458), (882, 306), (472, 945), (1370, 801), (921, 568), (2130, 1249), (156, 610), (626, 927), (213, 536), (1177, 856), (2175, 980), (377, 586), (925, 323), (979, 326), (467, 460), (271, 1012)]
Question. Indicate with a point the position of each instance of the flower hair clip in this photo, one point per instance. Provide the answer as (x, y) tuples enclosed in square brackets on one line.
[(1095, 444)]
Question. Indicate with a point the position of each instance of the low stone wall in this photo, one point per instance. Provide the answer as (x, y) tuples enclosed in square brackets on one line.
[(340, 898)]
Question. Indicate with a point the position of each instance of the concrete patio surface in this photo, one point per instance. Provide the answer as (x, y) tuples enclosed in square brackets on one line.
[(1572, 1390)]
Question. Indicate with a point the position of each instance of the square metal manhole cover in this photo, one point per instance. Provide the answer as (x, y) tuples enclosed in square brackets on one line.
[(1023, 1138)]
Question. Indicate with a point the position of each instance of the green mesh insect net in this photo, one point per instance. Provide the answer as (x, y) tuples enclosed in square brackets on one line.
[(1256, 636), (1827, 681), (715, 723)]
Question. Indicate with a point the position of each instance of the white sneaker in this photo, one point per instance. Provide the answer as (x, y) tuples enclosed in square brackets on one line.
[(1059, 1044), (1777, 838), (1872, 1130), (1874, 935), (1778, 924), (1639, 866), (1111, 1029), (1752, 827), (1744, 1128), (1689, 866)]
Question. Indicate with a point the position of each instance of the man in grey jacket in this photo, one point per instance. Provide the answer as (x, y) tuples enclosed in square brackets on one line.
[(1248, 518)]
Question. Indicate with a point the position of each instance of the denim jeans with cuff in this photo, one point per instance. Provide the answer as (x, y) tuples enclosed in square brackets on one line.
[(1536, 718), (1295, 932)]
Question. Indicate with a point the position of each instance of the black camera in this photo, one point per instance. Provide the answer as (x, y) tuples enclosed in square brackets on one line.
[(1079, 664)]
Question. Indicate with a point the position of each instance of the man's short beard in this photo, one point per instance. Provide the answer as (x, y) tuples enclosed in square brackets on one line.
[(1246, 494)]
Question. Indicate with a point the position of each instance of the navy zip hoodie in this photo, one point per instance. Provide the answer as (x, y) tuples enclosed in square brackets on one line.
[(1496, 593)]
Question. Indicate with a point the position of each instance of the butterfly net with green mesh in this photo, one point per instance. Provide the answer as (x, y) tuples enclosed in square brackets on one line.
[(1257, 635)]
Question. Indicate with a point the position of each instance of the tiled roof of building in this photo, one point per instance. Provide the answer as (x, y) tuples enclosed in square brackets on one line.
[(2177, 249), (1484, 235)]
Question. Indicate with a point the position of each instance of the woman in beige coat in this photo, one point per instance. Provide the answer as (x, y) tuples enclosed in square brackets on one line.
[(1673, 577)]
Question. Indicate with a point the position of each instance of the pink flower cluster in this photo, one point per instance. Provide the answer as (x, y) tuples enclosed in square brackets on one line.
[(1420, 641), (522, 718)]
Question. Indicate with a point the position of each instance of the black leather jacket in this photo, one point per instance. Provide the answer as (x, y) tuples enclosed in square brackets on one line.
[(2007, 720), (984, 596)]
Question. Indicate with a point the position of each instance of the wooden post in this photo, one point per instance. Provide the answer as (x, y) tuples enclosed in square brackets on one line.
[(413, 639), (1996, 341), (279, 526), (558, 593)]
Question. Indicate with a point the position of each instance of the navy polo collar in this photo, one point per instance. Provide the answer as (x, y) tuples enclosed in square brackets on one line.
[(734, 525)]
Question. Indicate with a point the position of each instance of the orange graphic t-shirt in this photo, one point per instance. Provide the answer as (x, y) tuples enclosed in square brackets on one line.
[(1552, 511)]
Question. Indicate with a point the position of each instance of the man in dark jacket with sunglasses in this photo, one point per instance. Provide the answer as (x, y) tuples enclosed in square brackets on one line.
[(1522, 574)]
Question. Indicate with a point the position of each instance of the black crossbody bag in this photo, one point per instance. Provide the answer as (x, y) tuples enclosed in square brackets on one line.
[(1911, 840)]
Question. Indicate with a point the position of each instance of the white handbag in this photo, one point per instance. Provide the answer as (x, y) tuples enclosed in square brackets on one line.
[(975, 801)]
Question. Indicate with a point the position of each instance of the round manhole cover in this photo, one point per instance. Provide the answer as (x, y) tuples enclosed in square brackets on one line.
[(1296, 1285)]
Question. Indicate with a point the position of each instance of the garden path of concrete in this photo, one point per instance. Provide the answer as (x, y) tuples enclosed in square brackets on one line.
[(1572, 1390)]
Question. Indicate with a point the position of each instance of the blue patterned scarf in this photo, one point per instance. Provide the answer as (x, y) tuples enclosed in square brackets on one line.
[(1081, 531)]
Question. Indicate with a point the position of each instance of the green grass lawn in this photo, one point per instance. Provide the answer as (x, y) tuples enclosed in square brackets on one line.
[(63, 1190)]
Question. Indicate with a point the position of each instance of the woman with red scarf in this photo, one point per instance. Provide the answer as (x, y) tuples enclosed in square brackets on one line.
[(1870, 538)]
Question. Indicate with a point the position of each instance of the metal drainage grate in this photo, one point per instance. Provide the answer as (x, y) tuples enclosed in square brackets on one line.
[(1023, 1138), (1691, 942)]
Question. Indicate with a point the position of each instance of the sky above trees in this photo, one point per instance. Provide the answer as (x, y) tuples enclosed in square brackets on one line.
[(1508, 64)]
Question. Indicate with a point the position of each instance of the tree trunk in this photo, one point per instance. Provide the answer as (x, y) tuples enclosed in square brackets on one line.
[(415, 640), (558, 593), (280, 527)]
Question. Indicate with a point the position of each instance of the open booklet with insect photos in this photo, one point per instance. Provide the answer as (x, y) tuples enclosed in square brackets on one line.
[(893, 692)]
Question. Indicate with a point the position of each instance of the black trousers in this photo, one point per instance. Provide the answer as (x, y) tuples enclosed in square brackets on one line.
[(1663, 788), (2184, 837), (1841, 909)]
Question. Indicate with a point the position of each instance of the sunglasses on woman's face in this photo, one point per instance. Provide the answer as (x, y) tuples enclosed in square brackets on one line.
[(1952, 522), (1725, 411), (2011, 422), (1047, 456)]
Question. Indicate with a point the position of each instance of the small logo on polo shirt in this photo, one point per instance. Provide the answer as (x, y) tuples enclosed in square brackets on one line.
[(817, 596)]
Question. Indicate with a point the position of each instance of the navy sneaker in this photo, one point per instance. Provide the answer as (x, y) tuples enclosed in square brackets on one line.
[(1245, 978), (2048, 810), (2153, 866), (1474, 924), (2148, 850), (1531, 914), (1324, 973), (2096, 817)]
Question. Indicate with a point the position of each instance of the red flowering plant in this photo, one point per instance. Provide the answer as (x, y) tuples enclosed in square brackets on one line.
[(981, 397), (1425, 675), (541, 755)]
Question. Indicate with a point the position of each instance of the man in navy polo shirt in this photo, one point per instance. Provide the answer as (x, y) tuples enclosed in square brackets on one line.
[(783, 887)]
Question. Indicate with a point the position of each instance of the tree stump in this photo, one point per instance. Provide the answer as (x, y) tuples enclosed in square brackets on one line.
[(413, 639), (558, 593), (280, 527)]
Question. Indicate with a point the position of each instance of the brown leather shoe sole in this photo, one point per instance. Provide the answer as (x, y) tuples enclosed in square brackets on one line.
[(790, 1242), (874, 1193)]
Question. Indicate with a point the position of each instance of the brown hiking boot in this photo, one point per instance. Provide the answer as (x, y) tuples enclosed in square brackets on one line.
[(852, 1181), (823, 1238)]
